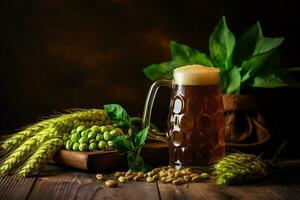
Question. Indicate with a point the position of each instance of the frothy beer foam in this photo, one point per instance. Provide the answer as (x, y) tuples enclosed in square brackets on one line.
[(196, 75)]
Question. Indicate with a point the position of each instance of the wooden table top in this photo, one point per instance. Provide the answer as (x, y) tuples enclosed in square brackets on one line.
[(56, 182)]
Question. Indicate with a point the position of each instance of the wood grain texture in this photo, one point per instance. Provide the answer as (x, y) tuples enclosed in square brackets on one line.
[(189, 191), (92, 161), (60, 183), (17, 188), (262, 192), (56, 182), (155, 153), (209, 191)]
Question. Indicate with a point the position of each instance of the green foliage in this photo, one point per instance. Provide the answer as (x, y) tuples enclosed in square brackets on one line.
[(250, 61), (221, 45), (132, 147), (118, 115)]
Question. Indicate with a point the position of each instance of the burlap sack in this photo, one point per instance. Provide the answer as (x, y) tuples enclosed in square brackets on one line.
[(246, 128)]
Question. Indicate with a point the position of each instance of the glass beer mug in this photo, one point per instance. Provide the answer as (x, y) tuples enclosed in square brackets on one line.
[(196, 115)]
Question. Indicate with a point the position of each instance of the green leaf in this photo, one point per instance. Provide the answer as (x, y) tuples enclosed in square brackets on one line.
[(163, 70), (255, 63), (221, 45), (269, 81), (267, 44), (123, 144), (188, 55), (136, 163), (247, 43), (182, 55), (233, 81), (118, 115), (140, 137)]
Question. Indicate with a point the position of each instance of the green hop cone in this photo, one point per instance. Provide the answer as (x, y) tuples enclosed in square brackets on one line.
[(83, 147), (75, 146), (99, 137), (238, 167), (80, 129), (116, 132), (74, 131), (93, 146), (106, 128), (96, 129), (102, 145), (107, 136), (69, 144), (75, 137), (93, 141), (92, 135), (66, 137), (103, 129), (204, 176), (110, 144), (83, 140), (85, 133)]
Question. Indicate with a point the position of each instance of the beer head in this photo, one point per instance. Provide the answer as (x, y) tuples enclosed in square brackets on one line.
[(196, 75)]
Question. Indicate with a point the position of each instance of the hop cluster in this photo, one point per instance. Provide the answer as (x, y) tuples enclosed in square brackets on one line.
[(238, 167), (96, 137)]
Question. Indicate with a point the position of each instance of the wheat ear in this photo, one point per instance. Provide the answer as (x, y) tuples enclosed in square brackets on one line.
[(26, 149), (42, 155)]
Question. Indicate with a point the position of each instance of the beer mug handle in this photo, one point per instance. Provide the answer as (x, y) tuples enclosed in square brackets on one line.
[(150, 99)]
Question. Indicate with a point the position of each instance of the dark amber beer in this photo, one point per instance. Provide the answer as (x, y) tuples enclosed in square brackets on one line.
[(196, 116)]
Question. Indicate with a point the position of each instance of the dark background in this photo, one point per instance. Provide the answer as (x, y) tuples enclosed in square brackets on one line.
[(64, 54)]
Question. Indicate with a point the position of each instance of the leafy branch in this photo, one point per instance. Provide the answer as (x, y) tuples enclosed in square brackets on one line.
[(130, 144)]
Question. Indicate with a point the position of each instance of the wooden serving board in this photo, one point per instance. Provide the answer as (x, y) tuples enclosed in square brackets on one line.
[(155, 154)]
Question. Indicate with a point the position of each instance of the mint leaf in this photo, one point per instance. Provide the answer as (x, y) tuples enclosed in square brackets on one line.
[(188, 55), (233, 82), (118, 115), (221, 45), (247, 43), (267, 44)]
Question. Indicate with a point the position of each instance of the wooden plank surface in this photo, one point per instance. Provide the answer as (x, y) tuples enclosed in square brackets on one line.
[(17, 188), (275, 192), (58, 183), (207, 191), (189, 191)]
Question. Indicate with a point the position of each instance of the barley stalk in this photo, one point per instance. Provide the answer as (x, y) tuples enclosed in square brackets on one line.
[(19, 137), (23, 151), (42, 155)]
